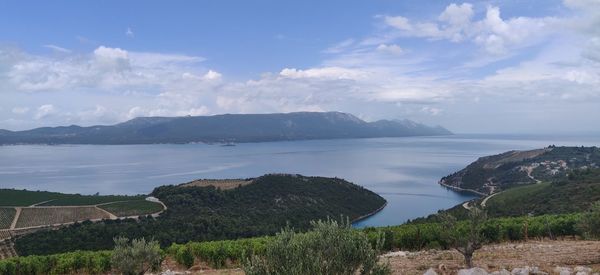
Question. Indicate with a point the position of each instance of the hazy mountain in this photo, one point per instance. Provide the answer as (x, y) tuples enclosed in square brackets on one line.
[(224, 128)]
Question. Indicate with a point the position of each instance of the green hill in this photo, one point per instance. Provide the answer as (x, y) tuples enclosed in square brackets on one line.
[(197, 213), (499, 172), (574, 193)]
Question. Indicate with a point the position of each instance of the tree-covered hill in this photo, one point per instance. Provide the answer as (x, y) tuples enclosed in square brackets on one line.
[(499, 172), (206, 213)]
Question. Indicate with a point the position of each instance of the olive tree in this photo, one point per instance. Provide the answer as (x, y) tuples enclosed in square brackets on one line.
[(329, 248), (466, 237), (136, 257)]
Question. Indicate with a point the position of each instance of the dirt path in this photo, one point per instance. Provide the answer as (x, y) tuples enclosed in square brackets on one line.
[(544, 254)]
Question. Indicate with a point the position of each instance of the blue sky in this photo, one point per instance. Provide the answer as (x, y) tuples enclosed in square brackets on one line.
[(479, 66)]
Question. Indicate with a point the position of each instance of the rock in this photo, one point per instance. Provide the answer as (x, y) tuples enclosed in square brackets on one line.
[(473, 271), (501, 272), (563, 270), (582, 270), (521, 271), (395, 254), (430, 271)]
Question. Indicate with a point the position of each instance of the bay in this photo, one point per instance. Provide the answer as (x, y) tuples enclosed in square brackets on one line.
[(405, 171)]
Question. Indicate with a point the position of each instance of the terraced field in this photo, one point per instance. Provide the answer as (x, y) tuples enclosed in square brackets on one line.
[(39, 216), (132, 208), (6, 217)]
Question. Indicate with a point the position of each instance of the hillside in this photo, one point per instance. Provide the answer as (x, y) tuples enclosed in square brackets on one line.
[(224, 128), (196, 213), (498, 172), (574, 193)]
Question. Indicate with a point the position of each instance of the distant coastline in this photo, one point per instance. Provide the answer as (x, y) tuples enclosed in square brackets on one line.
[(363, 217), (458, 189)]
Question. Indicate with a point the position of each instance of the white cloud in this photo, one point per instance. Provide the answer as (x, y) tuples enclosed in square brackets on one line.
[(391, 49), (45, 111), (494, 34), (323, 73), (57, 48)]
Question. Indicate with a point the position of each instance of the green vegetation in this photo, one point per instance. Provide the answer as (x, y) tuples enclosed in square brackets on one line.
[(327, 249), (132, 208), (97, 262), (466, 239), (512, 168), (575, 193), (217, 253), (13, 197), (205, 213), (6, 217), (589, 224), (136, 257)]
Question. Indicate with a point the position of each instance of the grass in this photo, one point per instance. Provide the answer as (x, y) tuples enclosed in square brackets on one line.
[(132, 208), (6, 217), (12, 197)]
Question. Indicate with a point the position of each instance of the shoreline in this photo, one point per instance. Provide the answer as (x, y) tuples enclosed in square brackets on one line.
[(363, 217), (454, 188)]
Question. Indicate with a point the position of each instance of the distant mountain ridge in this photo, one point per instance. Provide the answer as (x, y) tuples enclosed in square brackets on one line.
[(224, 128)]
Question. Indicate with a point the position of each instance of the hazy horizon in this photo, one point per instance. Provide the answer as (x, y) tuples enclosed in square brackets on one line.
[(493, 67)]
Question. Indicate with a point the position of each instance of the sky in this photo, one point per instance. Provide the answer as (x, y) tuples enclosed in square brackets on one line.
[(511, 66)]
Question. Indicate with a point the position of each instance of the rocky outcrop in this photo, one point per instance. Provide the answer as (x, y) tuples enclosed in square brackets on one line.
[(527, 270)]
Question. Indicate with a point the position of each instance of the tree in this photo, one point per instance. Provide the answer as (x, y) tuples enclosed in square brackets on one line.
[(589, 224), (330, 248), (465, 237), (136, 257)]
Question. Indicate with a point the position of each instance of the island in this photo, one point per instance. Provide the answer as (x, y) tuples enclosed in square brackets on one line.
[(225, 129)]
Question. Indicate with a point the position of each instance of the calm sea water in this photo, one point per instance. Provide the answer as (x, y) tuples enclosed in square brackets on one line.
[(403, 170)]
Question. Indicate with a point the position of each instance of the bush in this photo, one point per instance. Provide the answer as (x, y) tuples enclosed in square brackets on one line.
[(330, 248), (589, 224), (137, 256)]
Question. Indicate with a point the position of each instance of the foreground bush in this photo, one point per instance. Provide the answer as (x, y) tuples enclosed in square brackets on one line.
[(329, 248), (79, 262), (589, 225), (137, 256)]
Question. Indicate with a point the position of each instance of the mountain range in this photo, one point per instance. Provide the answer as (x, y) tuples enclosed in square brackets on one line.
[(227, 128)]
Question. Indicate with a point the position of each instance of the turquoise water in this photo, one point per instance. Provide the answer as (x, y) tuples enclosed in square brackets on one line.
[(403, 170)]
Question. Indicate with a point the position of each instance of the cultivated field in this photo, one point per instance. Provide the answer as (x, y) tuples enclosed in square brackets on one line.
[(219, 184), (132, 208), (40, 216), (12, 197), (6, 217)]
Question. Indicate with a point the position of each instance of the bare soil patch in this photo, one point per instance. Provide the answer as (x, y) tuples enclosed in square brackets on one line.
[(544, 254)]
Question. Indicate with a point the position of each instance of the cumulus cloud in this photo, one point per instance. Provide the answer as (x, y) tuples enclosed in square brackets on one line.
[(493, 33)]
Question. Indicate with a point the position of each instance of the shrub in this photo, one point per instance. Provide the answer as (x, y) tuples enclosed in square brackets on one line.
[(137, 256), (329, 248), (589, 224)]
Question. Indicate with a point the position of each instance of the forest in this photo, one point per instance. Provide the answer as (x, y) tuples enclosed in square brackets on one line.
[(270, 203)]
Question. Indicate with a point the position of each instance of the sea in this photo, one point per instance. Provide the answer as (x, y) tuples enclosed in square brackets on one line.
[(405, 171)]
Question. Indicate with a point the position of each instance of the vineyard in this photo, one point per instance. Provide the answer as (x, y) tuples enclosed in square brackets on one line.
[(5, 234), (6, 217), (132, 208), (12, 197), (40, 216)]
